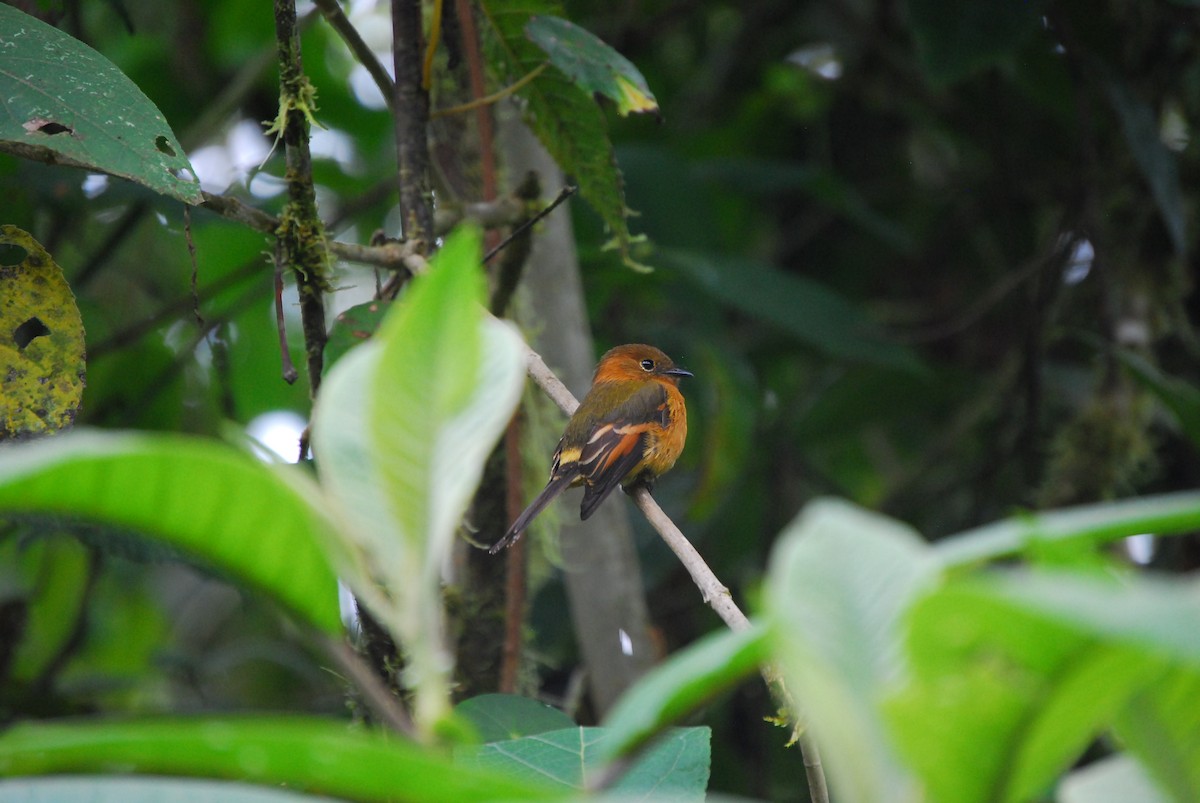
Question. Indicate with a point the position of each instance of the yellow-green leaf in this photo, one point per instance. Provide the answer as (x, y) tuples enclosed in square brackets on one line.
[(591, 64), (41, 340)]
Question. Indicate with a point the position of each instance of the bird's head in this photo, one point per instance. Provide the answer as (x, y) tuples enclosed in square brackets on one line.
[(637, 361)]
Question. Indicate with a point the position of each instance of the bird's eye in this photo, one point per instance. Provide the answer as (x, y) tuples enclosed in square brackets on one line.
[(647, 365)]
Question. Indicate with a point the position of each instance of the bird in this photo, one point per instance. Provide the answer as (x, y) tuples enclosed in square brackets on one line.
[(630, 428)]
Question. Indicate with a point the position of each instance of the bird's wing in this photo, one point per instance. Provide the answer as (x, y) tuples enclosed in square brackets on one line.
[(617, 444)]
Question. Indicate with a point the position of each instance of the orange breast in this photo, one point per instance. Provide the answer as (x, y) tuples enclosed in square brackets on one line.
[(665, 444)]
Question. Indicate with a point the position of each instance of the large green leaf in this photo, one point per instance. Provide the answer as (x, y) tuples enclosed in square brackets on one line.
[(1002, 698), (564, 117), (677, 687), (1158, 614), (201, 497), (674, 768), (1161, 728), (811, 312), (314, 755), (840, 581), (499, 717), (401, 432), (1168, 514), (105, 789), (62, 101)]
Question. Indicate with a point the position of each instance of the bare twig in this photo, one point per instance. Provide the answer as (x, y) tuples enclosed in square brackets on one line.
[(339, 22), (563, 195), (488, 100), (285, 354)]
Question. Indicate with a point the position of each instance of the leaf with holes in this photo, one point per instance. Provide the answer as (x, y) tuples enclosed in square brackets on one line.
[(62, 102), (591, 64), (41, 340)]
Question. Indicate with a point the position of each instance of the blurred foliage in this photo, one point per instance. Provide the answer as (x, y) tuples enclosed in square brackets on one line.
[(938, 263)]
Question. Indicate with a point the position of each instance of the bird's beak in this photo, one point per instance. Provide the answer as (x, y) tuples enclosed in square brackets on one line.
[(678, 372)]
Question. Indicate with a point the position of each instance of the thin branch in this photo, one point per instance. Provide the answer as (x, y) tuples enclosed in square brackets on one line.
[(381, 700), (301, 234), (435, 35), (411, 114), (492, 98), (713, 591), (366, 57), (563, 195)]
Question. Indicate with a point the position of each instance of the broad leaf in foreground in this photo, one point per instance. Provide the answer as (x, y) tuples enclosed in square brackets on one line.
[(315, 755), (1003, 697), (401, 432), (840, 582), (202, 498)]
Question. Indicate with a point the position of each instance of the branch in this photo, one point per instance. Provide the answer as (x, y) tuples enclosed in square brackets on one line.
[(411, 114), (390, 255), (301, 239), (366, 57), (381, 700), (713, 591)]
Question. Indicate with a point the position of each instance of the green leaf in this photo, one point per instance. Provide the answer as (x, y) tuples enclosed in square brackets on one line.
[(221, 506), (1182, 398), (955, 41), (690, 678), (1161, 728), (674, 768), (314, 755), (58, 568), (353, 327), (1003, 698), (564, 117), (1157, 163), (809, 311), (105, 789), (1115, 779), (1158, 614), (41, 350), (499, 717), (594, 66), (1167, 514), (840, 580), (401, 432), (63, 102)]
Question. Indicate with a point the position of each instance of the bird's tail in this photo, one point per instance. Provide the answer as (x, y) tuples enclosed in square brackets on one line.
[(557, 485)]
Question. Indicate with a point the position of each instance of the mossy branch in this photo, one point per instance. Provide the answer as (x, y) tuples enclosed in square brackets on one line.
[(300, 233)]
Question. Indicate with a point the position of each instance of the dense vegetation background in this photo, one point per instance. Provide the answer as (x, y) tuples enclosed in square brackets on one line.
[(939, 264)]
